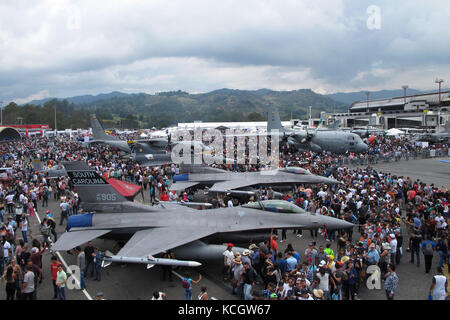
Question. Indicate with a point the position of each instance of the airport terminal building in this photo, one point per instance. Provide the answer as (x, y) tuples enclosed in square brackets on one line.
[(429, 111), (426, 111)]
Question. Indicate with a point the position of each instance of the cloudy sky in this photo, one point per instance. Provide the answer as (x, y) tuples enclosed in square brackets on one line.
[(71, 47)]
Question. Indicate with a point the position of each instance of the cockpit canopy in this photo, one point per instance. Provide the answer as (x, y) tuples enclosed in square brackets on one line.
[(296, 170), (280, 206)]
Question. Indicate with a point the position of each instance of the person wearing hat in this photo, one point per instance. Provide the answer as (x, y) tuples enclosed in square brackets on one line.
[(99, 296), (246, 256), (273, 296), (255, 256), (385, 256), (372, 256), (393, 245), (228, 260), (331, 263), (324, 276), (238, 270), (318, 294)]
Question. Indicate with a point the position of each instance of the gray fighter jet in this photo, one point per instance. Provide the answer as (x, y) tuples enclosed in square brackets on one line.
[(101, 137), (52, 173), (149, 152), (336, 141), (242, 183), (438, 137), (154, 229)]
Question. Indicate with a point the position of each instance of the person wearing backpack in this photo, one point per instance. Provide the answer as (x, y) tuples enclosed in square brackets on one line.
[(428, 247), (186, 283)]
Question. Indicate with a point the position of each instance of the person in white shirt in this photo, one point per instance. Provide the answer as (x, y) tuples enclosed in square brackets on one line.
[(439, 221), (230, 203), (393, 245), (6, 249), (322, 194), (228, 259), (10, 203), (24, 227), (438, 288)]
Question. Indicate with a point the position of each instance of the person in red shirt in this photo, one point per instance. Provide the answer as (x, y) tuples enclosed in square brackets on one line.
[(274, 244), (411, 194), (54, 270), (164, 196)]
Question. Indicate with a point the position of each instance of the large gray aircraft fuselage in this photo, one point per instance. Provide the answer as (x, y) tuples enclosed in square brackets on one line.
[(339, 142)]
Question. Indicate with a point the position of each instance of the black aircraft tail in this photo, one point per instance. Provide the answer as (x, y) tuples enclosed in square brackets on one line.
[(98, 131), (93, 191)]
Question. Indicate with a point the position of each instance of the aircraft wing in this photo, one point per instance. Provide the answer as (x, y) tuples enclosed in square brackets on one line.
[(229, 185), (182, 185), (70, 240), (248, 134), (152, 241), (154, 163)]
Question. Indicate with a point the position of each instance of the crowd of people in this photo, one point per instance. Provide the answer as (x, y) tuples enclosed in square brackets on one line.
[(381, 204)]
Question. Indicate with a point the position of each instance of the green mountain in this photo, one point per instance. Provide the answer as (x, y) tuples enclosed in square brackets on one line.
[(168, 108)]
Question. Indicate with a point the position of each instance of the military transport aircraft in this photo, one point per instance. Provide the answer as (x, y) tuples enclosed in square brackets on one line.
[(336, 141), (316, 140), (154, 229)]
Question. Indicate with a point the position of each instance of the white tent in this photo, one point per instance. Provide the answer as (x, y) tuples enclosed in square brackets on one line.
[(394, 132)]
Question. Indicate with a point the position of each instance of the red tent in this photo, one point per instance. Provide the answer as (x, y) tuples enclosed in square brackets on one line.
[(128, 190)]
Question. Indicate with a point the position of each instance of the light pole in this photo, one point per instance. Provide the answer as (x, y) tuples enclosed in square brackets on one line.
[(404, 92), (56, 130), (439, 81), (310, 116)]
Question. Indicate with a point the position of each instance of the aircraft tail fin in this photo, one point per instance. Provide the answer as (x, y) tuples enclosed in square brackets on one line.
[(335, 125), (273, 120), (93, 190), (37, 165), (98, 131)]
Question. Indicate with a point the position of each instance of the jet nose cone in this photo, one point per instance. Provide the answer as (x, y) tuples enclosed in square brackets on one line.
[(330, 181), (334, 223)]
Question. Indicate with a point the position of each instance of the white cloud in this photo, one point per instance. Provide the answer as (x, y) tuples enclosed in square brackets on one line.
[(36, 96), (69, 47)]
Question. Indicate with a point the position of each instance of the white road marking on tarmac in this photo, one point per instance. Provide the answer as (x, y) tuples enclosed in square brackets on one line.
[(86, 294), (179, 276)]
